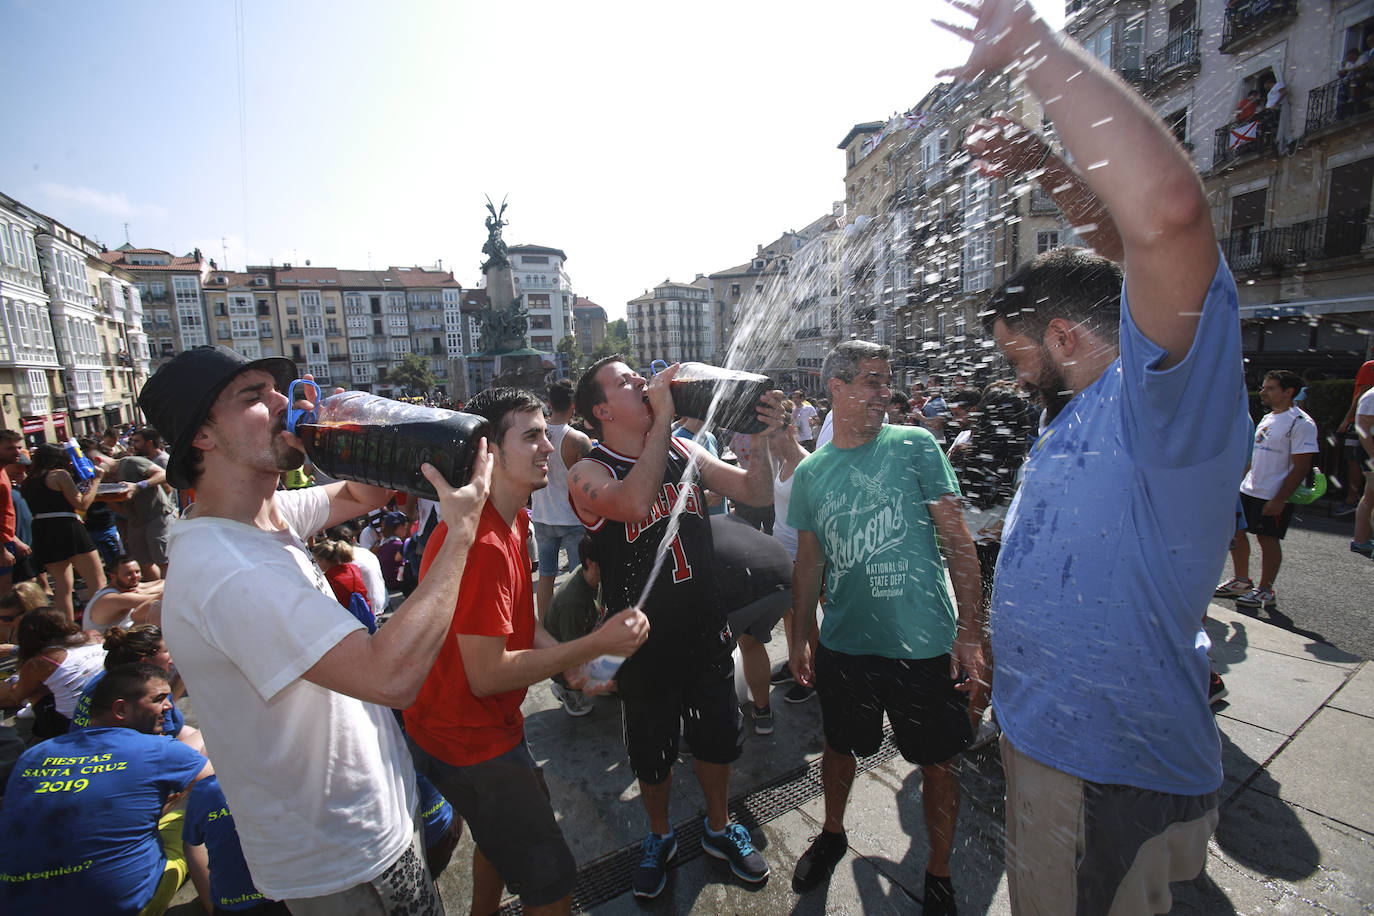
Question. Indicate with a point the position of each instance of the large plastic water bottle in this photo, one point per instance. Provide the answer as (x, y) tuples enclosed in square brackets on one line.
[(697, 384), (375, 440)]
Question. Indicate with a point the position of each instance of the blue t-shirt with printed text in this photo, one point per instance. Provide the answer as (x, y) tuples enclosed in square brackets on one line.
[(78, 832), (172, 719), (209, 824), (884, 575), (1110, 552)]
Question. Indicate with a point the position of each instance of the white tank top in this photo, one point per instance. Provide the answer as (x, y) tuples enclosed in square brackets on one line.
[(126, 622), (550, 505), (76, 669), (782, 498)]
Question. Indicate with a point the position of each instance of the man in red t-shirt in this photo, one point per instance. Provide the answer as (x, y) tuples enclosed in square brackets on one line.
[(1354, 453), (465, 729), (10, 549)]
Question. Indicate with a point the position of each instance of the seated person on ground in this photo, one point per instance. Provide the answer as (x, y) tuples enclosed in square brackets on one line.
[(573, 613), (86, 826), (125, 600)]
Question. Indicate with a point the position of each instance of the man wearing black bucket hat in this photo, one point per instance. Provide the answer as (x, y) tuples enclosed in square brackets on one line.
[(327, 816)]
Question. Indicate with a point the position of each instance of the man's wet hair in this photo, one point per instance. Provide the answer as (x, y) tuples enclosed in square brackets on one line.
[(124, 682), (148, 434), (589, 392), (967, 398), (499, 404), (843, 361), (1287, 379), (1074, 284), (561, 395)]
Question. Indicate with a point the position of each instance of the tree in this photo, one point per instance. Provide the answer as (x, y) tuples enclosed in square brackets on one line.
[(577, 360), (413, 374), (617, 341)]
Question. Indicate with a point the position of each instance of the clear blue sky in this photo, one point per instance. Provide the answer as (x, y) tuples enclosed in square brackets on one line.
[(646, 140)]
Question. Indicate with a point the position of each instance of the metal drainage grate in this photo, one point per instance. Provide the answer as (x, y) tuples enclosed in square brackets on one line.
[(602, 880)]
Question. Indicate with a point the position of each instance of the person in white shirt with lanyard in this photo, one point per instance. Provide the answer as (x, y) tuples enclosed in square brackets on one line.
[(1285, 443)]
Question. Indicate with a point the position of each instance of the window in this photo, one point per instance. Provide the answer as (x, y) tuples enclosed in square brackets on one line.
[(186, 290), (1182, 18), (400, 345), (1099, 45), (1177, 123), (1047, 240)]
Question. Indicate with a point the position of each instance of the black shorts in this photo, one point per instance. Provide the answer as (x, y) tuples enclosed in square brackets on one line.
[(757, 618), (702, 707), (1256, 522), (929, 717), (506, 806)]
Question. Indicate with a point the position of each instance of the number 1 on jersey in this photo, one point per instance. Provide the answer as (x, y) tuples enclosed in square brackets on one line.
[(682, 570)]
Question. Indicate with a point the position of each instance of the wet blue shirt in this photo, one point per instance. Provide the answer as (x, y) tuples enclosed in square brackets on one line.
[(1110, 553), (78, 833), (435, 811), (172, 719), (209, 824)]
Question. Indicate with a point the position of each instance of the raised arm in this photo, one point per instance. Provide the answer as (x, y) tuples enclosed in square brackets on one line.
[(1128, 159), (753, 487)]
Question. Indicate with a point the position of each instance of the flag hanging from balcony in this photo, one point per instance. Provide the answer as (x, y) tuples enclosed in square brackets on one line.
[(1244, 133)]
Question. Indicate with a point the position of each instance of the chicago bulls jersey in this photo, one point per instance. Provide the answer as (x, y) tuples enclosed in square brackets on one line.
[(687, 625)]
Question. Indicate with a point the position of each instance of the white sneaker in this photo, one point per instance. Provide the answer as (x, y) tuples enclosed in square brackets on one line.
[(575, 703)]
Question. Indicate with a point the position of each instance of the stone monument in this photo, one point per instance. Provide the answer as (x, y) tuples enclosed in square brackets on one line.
[(503, 322)]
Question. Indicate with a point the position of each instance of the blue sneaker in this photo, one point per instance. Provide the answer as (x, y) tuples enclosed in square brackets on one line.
[(1365, 548), (735, 846), (652, 872)]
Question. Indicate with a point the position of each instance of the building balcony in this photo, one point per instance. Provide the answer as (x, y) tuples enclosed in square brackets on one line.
[(1340, 235), (1340, 101), (1235, 141), (1180, 57), (1250, 20)]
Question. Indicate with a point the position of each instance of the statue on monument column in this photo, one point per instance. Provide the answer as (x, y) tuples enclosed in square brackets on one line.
[(498, 256)]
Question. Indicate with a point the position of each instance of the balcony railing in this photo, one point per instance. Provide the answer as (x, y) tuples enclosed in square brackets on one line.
[(1242, 139), (1251, 18), (1342, 234), (1340, 100), (1183, 53)]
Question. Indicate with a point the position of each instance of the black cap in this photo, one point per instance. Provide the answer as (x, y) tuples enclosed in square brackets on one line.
[(178, 397)]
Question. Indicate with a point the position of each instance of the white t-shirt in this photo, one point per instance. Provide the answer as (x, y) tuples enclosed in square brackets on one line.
[(1365, 406), (321, 784), (371, 568), (1277, 438), (802, 415)]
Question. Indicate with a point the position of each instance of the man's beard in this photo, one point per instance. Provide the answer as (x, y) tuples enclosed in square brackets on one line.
[(1053, 391), (285, 456)]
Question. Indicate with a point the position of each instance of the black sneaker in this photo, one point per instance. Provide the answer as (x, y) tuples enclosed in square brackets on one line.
[(1216, 690), (735, 846), (781, 674), (799, 693), (652, 872), (938, 897), (819, 861), (763, 720)]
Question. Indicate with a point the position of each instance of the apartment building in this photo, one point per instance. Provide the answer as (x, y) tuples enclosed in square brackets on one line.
[(1290, 183), (28, 354), (589, 324), (927, 237), (169, 287), (243, 312), (124, 346), (434, 306), (673, 323), (545, 291)]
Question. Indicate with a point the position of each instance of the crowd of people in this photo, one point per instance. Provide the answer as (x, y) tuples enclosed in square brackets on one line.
[(358, 658)]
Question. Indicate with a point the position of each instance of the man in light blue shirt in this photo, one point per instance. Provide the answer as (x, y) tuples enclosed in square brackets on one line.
[(1112, 546)]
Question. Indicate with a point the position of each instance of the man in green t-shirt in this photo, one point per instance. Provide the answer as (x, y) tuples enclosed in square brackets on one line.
[(573, 613), (877, 511)]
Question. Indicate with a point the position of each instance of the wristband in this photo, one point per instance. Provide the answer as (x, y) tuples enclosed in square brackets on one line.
[(143, 484)]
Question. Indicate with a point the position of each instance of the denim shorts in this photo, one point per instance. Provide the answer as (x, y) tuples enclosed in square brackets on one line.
[(550, 539)]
